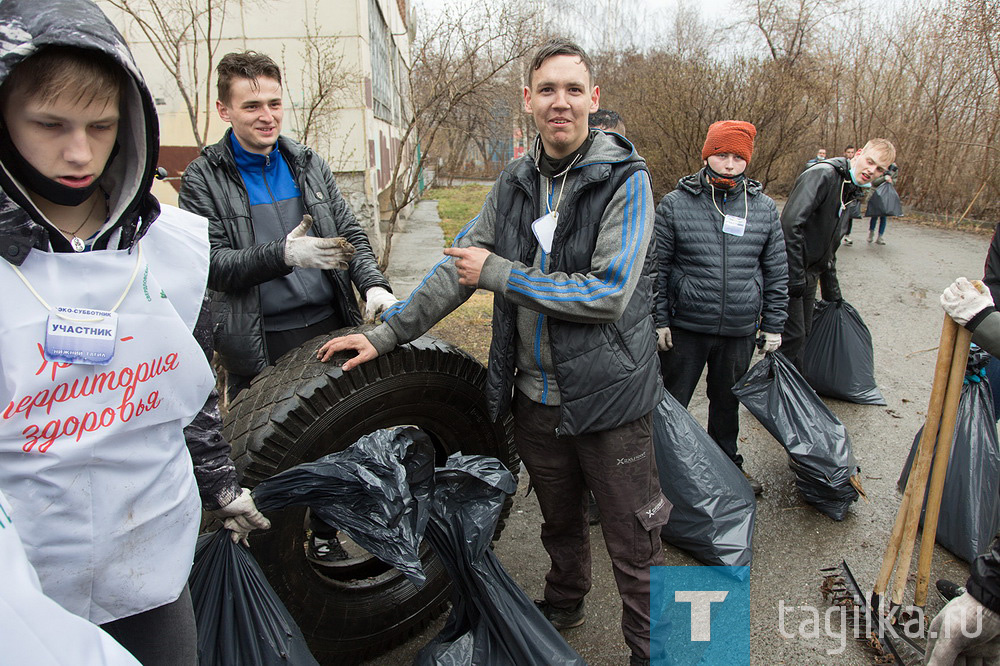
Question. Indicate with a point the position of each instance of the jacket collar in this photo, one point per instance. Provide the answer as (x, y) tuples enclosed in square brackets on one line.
[(695, 184), (221, 153)]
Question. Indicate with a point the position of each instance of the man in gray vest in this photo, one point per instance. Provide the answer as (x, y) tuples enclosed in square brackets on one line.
[(562, 243)]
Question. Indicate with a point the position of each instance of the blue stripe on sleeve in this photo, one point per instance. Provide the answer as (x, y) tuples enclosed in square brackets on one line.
[(545, 288), (398, 307)]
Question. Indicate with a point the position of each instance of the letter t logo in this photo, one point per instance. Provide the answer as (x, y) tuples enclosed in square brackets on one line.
[(701, 610)]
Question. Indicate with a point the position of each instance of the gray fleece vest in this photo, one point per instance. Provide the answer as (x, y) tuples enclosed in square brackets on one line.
[(608, 374)]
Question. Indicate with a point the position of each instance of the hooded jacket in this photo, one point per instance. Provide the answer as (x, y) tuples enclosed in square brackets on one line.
[(25, 27), (212, 187), (709, 281), (814, 220), (572, 327)]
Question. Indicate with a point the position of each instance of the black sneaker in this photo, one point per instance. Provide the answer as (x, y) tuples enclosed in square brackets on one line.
[(948, 590), (594, 517), (756, 486), (562, 618), (637, 661), (326, 550)]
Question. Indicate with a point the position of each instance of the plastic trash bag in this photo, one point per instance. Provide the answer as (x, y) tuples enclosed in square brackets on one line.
[(817, 443), (714, 506), (377, 491), (884, 201), (492, 621), (838, 360), (970, 504), (240, 618)]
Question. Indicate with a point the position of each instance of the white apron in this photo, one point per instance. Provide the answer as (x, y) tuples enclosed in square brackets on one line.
[(92, 458), (36, 630)]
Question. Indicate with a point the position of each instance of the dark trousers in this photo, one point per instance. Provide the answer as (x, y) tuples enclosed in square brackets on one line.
[(619, 468), (164, 636), (799, 322), (728, 358), (881, 219), (279, 343)]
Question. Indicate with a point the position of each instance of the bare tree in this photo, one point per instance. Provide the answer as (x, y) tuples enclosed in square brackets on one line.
[(458, 58), (185, 35)]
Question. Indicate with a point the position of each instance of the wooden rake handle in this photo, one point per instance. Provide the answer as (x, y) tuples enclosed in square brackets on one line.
[(917, 482), (941, 457)]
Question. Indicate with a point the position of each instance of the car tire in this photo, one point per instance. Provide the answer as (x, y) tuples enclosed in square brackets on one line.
[(301, 409)]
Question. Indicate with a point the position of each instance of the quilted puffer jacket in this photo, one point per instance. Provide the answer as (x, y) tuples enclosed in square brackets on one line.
[(709, 281)]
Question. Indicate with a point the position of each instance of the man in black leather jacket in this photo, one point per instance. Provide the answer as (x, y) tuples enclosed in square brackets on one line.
[(814, 220), (277, 284)]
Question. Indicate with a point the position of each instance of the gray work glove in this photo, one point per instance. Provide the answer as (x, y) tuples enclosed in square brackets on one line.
[(377, 301), (963, 300), (313, 252), (771, 342), (964, 633), (663, 339), (242, 517)]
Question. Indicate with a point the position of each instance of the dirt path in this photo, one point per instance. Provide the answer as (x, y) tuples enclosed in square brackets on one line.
[(895, 287)]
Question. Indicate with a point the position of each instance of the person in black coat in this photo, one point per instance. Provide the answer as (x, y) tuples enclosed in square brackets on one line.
[(814, 219), (722, 276), (884, 203)]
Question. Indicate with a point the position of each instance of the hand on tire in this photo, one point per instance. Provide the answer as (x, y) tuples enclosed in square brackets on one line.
[(357, 342)]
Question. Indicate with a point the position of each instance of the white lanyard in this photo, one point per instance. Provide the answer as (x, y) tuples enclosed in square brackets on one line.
[(746, 201), (62, 315)]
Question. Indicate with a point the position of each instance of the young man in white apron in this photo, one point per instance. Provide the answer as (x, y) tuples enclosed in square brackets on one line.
[(106, 397)]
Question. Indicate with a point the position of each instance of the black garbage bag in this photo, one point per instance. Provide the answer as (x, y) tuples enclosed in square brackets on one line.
[(492, 621), (970, 503), (838, 360), (817, 443), (713, 505), (377, 491), (884, 201), (240, 618)]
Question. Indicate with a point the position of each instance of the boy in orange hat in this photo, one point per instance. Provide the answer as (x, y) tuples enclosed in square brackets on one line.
[(722, 278)]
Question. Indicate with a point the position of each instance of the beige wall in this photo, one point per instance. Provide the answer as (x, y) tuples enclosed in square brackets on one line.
[(279, 28)]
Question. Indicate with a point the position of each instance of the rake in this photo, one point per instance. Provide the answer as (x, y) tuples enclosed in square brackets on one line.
[(884, 637)]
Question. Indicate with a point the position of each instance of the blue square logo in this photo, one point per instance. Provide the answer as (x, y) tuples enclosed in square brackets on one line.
[(699, 616)]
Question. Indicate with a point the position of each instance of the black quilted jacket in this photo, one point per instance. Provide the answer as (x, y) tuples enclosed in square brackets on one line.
[(712, 282), (212, 187)]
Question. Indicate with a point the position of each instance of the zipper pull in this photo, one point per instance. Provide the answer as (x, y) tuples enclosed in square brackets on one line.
[(267, 161)]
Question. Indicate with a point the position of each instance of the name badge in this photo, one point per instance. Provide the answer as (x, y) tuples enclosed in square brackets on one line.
[(81, 335), (734, 226), (545, 229)]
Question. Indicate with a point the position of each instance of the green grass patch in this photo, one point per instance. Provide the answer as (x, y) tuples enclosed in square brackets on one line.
[(457, 205)]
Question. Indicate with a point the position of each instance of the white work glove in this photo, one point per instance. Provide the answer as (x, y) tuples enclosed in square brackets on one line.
[(377, 301), (964, 633), (663, 339), (771, 342), (312, 252), (964, 300), (242, 517)]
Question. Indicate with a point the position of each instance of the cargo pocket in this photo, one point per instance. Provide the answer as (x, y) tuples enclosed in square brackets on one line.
[(652, 516)]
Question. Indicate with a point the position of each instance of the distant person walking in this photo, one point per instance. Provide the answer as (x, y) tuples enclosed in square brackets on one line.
[(854, 209), (884, 203), (820, 156)]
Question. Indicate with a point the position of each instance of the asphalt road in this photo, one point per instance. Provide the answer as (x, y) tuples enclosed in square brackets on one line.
[(895, 287)]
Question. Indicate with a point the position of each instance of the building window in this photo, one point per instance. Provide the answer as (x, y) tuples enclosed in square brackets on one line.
[(385, 65)]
